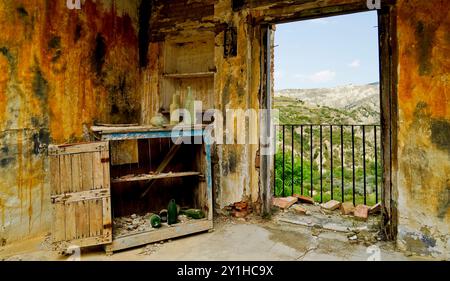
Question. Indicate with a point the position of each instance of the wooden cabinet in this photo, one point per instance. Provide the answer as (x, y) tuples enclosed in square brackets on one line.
[(189, 62), (88, 191)]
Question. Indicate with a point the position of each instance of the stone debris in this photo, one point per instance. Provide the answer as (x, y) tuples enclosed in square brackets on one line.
[(150, 249), (183, 218), (132, 224), (304, 199), (331, 205), (375, 209), (353, 238), (284, 202), (300, 210), (361, 212), (347, 208)]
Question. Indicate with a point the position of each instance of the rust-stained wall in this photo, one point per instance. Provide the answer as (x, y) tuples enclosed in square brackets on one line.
[(424, 127), (60, 70)]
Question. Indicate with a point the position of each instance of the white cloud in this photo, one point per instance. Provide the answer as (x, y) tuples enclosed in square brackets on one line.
[(322, 76), (355, 64)]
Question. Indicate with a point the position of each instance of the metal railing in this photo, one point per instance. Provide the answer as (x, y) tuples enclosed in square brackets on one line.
[(326, 162)]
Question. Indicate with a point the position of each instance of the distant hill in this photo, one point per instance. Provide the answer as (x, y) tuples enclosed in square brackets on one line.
[(351, 104)]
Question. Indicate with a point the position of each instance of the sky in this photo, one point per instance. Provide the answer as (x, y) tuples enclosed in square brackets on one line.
[(327, 52)]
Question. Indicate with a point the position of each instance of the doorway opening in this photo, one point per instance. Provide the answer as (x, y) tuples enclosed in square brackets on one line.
[(329, 140)]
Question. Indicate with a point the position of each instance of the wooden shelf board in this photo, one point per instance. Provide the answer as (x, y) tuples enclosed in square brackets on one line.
[(155, 177), (138, 129), (164, 233), (189, 75)]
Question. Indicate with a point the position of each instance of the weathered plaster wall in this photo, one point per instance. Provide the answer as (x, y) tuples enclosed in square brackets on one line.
[(60, 70), (424, 127)]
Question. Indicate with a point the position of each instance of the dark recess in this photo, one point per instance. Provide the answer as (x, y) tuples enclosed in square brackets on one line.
[(98, 55), (145, 11), (237, 5)]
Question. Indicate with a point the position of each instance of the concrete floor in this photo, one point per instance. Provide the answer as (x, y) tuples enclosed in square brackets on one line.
[(232, 240)]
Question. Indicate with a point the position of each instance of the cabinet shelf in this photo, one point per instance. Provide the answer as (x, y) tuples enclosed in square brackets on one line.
[(189, 75), (133, 178)]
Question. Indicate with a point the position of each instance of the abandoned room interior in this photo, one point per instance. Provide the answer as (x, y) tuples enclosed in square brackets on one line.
[(91, 92)]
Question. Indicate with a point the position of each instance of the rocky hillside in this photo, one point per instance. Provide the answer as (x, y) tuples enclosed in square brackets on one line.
[(351, 104)]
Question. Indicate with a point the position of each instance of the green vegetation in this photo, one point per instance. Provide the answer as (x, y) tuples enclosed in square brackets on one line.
[(297, 112)]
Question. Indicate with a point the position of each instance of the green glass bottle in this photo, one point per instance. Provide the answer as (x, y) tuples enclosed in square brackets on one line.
[(155, 221), (172, 214), (195, 214)]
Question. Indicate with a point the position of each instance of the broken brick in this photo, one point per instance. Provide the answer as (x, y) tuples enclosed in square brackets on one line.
[(300, 210), (240, 214), (284, 202), (240, 205), (304, 199), (347, 208), (361, 212), (331, 205), (375, 209)]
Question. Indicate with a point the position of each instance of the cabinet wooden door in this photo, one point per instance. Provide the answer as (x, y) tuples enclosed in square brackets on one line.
[(80, 194)]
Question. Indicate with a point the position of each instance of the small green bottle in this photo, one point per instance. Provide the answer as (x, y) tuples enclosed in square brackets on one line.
[(172, 214), (155, 221)]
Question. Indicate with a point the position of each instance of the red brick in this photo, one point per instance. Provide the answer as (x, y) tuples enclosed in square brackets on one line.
[(347, 208), (361, 212), (240, 214), (331, 205), (240, 205), (284, 203), (304, 199)]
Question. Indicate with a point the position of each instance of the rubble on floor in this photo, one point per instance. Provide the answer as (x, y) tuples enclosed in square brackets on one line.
[(319, 218), (300, 210), (284, 202), (347, 208), (135, 224), (239, 210), (304, 199), (150, 249), (331, 205), (361, 212)]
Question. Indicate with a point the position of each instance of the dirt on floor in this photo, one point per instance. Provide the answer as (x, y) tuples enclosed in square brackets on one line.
[(245, 239)]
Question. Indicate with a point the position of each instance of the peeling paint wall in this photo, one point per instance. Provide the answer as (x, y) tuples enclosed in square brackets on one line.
[(60, 71), (424, 127)]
